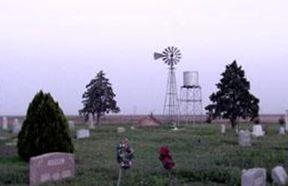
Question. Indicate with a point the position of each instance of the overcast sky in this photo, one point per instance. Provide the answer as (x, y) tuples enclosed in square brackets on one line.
[(60, 45)]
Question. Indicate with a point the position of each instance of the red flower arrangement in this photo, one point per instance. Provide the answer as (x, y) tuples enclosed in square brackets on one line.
[(166, 158)]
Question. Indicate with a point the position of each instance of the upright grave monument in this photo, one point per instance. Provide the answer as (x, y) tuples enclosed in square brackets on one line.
[(4, 123), (91, 121), (254, 177), (279, 176), (51, 167), (286, 120), (244, 138), (223, 128), (16, 126)]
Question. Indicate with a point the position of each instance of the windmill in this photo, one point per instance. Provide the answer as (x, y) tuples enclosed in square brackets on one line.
[(171, 56)]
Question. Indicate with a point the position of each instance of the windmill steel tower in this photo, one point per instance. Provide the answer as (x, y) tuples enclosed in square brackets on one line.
[(171, 56), (191, 97)]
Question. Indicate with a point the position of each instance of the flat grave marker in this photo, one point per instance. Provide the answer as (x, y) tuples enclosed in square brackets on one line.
[(121, 130), (82, 133)]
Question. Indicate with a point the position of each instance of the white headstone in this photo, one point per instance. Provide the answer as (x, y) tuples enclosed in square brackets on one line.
[(16, 126), (237, 131), (223, 128), (257, 131), (4, 123), (254, 177), (244, 138), (82, 133), (71, 124), (91, 121), (286, 120), (174, 127), (279, 175), (282, 130), (121, 130)]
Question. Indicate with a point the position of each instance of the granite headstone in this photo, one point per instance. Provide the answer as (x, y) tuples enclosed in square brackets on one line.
[(254, 177), (51, 167)]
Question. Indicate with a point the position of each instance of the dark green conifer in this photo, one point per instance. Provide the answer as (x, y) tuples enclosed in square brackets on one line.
[(98, 99), (45, 129), (233, 99)]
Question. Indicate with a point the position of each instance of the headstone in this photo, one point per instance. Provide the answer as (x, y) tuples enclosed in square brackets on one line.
[(279, 175), (71, 124), (237, 131), (174, 127), (51, 167), (257, 131), (254, 177), (91, 121), (223, 129), (282, 130), (82, 133), (16, 126), (4, 123), (244, 138), (286, 120), (121, 130)]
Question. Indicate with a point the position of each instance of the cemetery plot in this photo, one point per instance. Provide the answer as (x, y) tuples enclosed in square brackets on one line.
[(202, 156)]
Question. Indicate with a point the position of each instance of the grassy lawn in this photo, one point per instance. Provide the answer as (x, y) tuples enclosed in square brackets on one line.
[(202, 155)]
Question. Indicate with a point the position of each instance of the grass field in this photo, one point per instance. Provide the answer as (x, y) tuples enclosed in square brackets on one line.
[(202, 155)]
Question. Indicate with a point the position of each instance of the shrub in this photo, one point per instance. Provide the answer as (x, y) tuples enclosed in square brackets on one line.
[(281, 120), (208, 119), (45, 129), (256, 120)]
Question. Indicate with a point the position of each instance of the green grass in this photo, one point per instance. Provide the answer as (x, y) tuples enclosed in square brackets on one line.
[(203, 157)]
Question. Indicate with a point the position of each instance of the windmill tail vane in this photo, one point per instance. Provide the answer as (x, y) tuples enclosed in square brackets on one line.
[(158, 55)]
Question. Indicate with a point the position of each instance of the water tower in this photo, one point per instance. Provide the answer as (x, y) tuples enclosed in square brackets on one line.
[(191, 97), (171, 56)]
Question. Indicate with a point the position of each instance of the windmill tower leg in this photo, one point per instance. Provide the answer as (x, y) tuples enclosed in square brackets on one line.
[(171, 104)]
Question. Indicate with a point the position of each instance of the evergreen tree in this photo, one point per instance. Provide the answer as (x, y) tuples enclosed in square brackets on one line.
[(233, 99), (45, 129), (98, 99)]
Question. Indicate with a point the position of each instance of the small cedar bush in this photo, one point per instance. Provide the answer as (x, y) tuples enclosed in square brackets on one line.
[(281, 120), (256, 121), (45, 129)]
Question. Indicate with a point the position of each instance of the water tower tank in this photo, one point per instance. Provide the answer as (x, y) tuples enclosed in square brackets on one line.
[(190, 78)]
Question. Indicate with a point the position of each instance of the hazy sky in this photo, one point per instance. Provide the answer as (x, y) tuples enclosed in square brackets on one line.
[(60, 45)]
